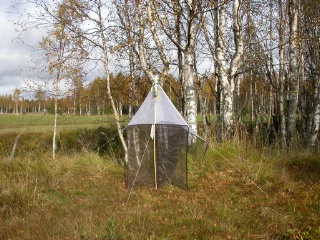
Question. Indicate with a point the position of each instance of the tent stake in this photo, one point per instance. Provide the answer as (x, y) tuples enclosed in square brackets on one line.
[(154, 139), (155, 159)]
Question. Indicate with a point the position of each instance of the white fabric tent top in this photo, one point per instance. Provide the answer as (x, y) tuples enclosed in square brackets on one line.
[(166, 113)]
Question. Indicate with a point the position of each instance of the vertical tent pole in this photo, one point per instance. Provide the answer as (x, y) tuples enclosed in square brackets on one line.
[(155, 95)]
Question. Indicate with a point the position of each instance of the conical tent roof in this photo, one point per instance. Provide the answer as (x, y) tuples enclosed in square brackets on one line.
[(166, 113)]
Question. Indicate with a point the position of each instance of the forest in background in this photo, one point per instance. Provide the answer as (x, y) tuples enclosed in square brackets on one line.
[(261, 90), (263, 58)]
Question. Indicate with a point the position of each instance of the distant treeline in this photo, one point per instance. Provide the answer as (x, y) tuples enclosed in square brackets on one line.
[(88, 100)]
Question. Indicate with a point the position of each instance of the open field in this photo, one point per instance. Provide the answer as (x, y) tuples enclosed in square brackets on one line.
[(44, 122), (235, 192)]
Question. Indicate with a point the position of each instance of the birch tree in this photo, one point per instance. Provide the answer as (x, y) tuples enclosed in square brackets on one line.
[(185, 42), (16, 99), (281, 96), (310, 96), (146, 65), (93, 13), (55, 47), (155, 64), (293, 6), (40, 95), (87, 22), (126, 12), (227, 70)]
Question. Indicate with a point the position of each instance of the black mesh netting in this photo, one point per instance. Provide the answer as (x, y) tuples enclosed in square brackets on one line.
[(171, 156)]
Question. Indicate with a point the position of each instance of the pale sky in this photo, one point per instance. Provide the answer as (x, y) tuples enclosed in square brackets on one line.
[(13, 55)]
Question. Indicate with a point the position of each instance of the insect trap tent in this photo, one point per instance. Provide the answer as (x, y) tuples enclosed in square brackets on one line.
[(157, 138)]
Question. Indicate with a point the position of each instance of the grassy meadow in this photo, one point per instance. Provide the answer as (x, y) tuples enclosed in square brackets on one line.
[(235, 191), (44, 122)]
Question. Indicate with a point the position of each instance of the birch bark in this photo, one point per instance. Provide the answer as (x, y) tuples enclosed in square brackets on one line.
[(141, 49), (310, 72), (105, 61), (189, 73), (188, 10), (235, 62), (226, 70), (293, 71), (54, 138), (281, 76), (316, 113), (226, 87)]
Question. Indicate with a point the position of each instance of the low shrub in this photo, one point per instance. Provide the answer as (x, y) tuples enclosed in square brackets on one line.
[(102, 140), (28, 144)]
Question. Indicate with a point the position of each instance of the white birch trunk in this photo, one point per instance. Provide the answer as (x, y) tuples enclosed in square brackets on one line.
[(54, 140), (235, 62), (129, 29), (74, 103), (165, 61), (293, 70), (145, 66), (190, 95), (120, 107), (281, 77), (203, 106), (188, 50), (189, 72), (226, 86), (106, 69), (316, 114)]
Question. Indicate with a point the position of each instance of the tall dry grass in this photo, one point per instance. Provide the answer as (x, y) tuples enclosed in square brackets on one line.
[(235, 192)]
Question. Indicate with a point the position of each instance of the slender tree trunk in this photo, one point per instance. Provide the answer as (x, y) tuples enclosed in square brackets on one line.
[(189, 73), (106, 69), (131, 58), (235, 61), (219, 112), (190, 95), (203, 105), (316, 113), (132, 83), (227, 75), (74, 103), (236, 103), (281, 97), (180, 65), (253, 116), (54, 140), (216, 54), (145, 66), (293, 71), (152, 19), (271, 79), (227, 87)]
